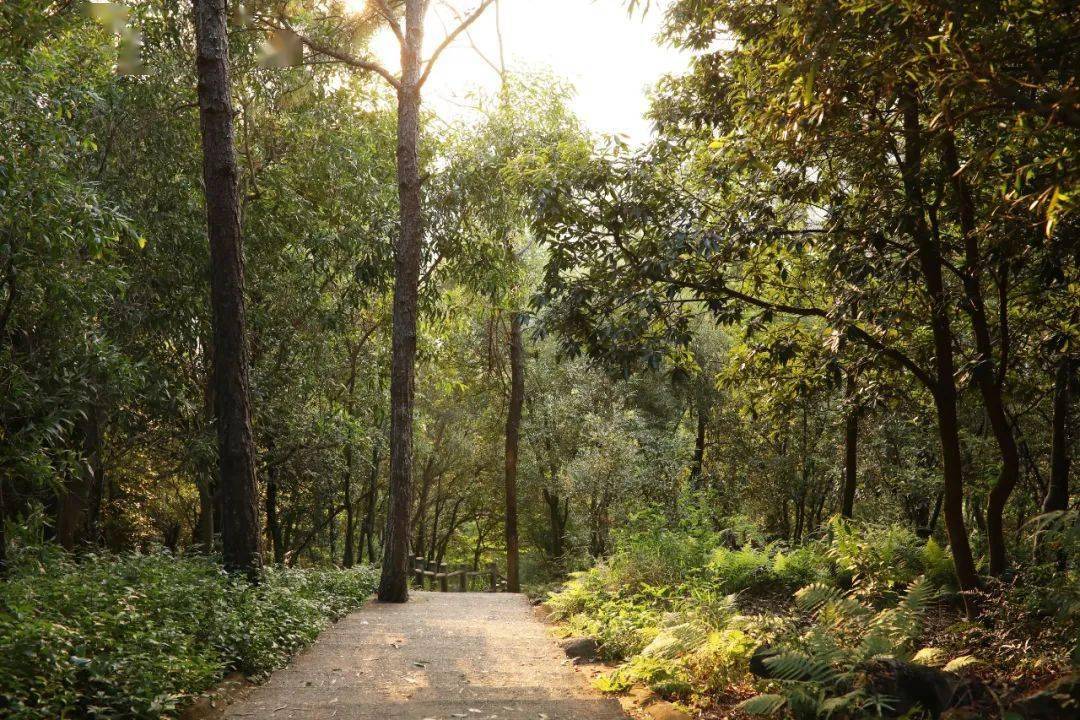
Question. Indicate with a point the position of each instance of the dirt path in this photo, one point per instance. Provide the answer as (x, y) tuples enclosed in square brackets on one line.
[(442, 656)]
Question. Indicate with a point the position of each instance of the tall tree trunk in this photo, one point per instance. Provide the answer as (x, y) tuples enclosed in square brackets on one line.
[(1057, 492), (987, 376), (944, 390), (394, 583), (241, 549), (851, 449), (513, 432)]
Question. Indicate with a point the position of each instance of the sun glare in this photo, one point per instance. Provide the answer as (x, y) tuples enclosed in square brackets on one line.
[(611, 59)]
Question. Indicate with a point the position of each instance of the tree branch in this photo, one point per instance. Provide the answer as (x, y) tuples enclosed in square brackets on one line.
[(462, 27), (340, 55), (384, 10)]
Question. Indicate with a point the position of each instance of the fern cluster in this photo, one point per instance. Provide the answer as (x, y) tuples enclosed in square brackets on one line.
[(815, 673)]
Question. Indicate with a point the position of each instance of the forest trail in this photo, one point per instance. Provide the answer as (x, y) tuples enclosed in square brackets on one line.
[(441, 656)]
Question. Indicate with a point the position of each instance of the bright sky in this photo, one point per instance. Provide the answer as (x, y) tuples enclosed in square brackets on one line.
[(611, 59)]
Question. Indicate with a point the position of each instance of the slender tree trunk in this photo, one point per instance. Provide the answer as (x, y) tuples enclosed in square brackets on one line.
[(986, 373), (699, 447), (240, 522), (931, 525), (350, 522), (513, 432), (851, 449), (944, 389), (273, 524), (3, 528), (1057, 492), (368, 535)]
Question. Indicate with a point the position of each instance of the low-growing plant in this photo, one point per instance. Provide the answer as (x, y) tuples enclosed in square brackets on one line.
[(814, 673), (135, 636)]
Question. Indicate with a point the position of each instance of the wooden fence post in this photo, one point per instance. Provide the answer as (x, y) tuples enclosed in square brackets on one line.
[(463, 578), (443, 578), (419, 565), (494, 577)]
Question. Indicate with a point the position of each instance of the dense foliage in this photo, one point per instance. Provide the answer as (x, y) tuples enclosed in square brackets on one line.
[(138, 635)]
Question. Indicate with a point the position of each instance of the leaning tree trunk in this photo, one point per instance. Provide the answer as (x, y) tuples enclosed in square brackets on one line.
[(394, 583), (513, 432), (241, 549)]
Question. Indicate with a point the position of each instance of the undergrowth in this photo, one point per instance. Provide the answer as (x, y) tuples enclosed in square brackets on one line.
[(137, 635), (685, 615)]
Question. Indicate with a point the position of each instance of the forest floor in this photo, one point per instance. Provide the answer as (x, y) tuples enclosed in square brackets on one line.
[(440, 656)]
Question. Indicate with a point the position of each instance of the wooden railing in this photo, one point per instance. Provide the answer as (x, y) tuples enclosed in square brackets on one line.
[(428, 575)]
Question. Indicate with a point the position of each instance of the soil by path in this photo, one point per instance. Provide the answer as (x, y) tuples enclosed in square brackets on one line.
[(443, 656)]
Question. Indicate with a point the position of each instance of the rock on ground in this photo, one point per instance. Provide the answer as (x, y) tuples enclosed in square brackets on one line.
[(480, 656)]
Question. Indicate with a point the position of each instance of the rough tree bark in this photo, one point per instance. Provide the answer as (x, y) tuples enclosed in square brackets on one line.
[(241, 549), (394, 583), (513, 432)]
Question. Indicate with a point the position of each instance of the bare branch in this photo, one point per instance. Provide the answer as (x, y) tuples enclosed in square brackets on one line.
[(339, 55), (462, 27)]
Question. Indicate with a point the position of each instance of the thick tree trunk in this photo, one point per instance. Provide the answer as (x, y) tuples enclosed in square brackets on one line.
[(944, 390), (851, 449), (1057, 492), (236, 460), (394, 583), (513, 432)]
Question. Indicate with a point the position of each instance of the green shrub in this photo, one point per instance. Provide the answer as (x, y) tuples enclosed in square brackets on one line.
[(133, 636), (801, 566), (881, 559), (739, 570)]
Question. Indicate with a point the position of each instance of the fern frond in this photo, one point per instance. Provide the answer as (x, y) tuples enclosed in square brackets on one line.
[(676, 641), (800, 668), (812, 597), (930, 656), (921, 595), (764, 704), (962, 662)]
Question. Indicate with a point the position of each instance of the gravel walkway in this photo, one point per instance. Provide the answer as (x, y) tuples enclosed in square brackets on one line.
[(441, 656)]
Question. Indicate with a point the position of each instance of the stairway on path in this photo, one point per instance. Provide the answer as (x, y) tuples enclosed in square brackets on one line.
[(443, 656)]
